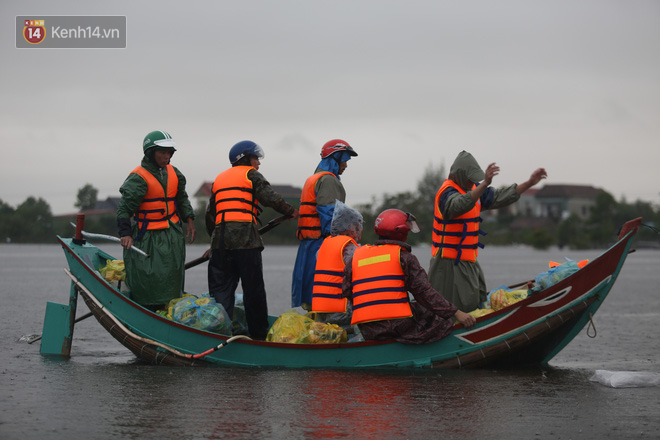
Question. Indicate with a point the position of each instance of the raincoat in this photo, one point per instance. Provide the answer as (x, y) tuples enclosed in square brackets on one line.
[(462, 283), (328, 190), (159, 278), (348, 223)]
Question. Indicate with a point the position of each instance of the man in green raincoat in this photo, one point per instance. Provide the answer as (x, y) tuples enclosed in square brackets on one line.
[(454, 270), (154, 194)]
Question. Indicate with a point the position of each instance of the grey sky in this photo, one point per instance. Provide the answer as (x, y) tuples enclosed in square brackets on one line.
[(568, 85)]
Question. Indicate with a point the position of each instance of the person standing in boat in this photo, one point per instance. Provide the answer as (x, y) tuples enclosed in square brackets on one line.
[(236, 245), (454, 269), (317, 203), (154, 194), (378, 281), (334, 255)]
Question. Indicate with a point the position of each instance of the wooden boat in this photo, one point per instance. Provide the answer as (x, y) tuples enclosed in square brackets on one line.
[(529, 332)]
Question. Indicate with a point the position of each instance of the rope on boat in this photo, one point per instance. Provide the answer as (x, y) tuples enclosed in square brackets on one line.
[(591, 325), (174, 351)]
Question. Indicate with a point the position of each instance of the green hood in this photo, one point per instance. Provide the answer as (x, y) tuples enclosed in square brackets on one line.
[(466, 171)]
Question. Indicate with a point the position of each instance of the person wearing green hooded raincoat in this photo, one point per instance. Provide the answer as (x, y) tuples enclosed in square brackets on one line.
[(155, 195), (454, 270)]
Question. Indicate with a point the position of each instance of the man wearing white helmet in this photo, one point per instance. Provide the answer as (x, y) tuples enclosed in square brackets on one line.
[(154, 194)]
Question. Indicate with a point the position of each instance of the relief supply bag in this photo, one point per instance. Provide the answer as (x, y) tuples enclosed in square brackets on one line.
[(114, 270), (555, 275), (503, 297), (202, 313), (291, 327), (294, 328)]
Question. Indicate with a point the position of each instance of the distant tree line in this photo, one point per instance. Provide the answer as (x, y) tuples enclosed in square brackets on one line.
[(33, 222)]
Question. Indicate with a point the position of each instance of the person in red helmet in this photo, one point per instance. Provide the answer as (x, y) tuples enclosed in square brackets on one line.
[(317, 203), (379, 279)]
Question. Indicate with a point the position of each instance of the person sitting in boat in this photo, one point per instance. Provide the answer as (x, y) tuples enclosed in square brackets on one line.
[(334, 255), (378, 281), (155, 194), (317, 202), (236, 245), (454, 269)]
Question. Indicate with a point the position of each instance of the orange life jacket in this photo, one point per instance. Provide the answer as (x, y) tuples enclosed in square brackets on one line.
[(309, 222), (379, 290), (234, 196), (158, 206), (329, 275), (457, 238)]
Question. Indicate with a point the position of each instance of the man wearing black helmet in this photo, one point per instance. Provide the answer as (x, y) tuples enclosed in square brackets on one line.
[(155, 195), (378, 281), (236, 245)]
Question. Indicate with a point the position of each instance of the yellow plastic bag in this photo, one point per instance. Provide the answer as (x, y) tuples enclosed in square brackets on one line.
[(114, 270), (170, 306), (501, 298), (291, 327), (294, 328), (320, 333), (480, 312)]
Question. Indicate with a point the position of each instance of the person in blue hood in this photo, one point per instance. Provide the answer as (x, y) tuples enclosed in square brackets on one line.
[(317, 203)]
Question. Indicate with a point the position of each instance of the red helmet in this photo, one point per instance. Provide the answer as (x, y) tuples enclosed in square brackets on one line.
[(336, 145), (395, 224)]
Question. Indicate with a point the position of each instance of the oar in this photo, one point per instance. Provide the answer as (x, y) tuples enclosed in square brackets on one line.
[(110, 238), (274, 222), (85, 316), (270, 225)]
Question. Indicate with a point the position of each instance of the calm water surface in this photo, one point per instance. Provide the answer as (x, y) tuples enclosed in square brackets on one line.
[(102, 391)]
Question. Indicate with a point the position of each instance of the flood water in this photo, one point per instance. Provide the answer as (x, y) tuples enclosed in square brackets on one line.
[(103, 392)]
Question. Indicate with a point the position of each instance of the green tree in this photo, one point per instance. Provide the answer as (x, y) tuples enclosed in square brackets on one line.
[(36, 221), (7, 222), (86, 198)]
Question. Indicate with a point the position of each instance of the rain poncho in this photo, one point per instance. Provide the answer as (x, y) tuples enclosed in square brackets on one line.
[(328, 190), (349, 222), (463, 284), (159, 278)]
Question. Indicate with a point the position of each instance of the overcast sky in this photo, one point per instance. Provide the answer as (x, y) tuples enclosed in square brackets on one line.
[(572, 86)]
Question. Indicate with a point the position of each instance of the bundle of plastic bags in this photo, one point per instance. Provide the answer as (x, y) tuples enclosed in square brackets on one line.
[(555, 274), (202, 313), (113, 270), (498, 299), (294, 328), (503, 297)]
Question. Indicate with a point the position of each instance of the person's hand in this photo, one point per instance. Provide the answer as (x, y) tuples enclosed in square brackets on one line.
[(295, 214), (492, 171), (207, 254), (126, 241), (191, 233), (537, 175), (467, 320)]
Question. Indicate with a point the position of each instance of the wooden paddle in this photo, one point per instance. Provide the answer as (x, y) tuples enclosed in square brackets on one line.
[(270, 225)]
